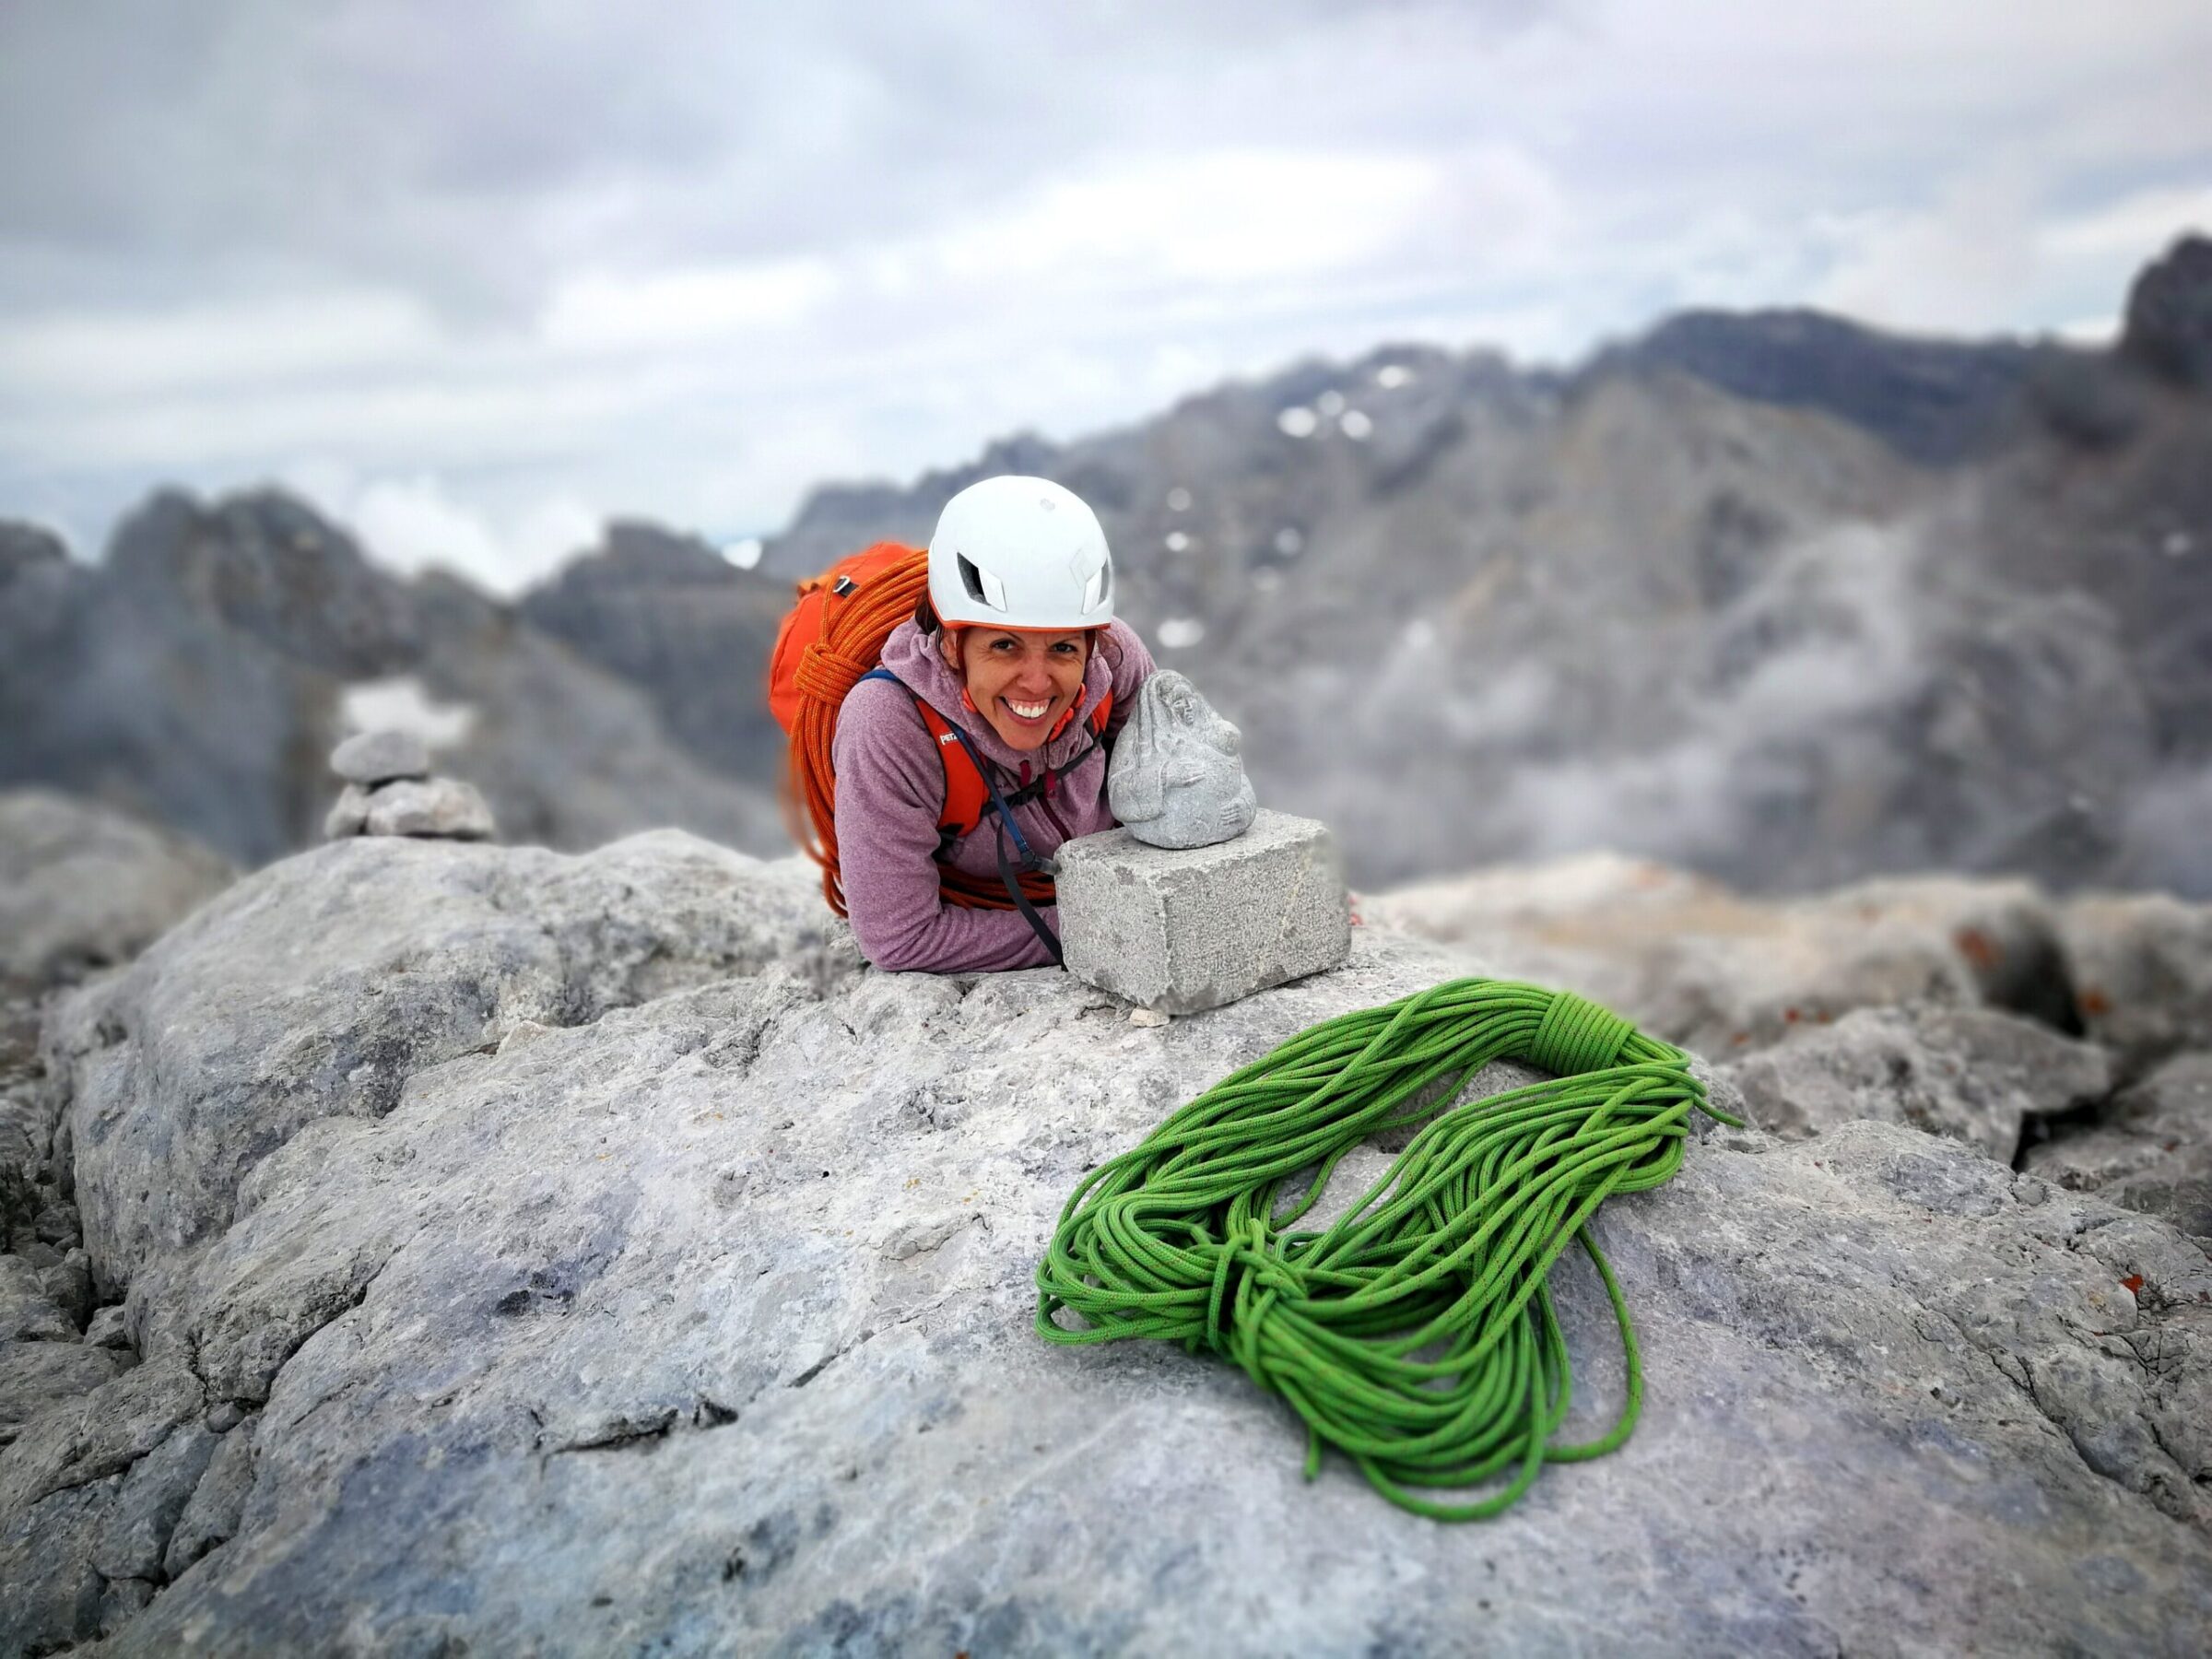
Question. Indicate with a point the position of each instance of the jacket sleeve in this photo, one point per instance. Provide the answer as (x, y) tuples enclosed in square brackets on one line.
[(890, 787), (1133, 666)]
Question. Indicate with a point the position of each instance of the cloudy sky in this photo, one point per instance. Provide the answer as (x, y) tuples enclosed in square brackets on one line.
[(473, 276)]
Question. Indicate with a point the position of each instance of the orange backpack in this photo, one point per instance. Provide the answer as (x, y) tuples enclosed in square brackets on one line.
[(833, 639)]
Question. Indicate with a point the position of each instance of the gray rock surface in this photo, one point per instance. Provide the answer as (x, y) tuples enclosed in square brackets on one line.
[(83, 886), (1976, 1074), (100, 1434), (26, 1115), (442, 808), (1177, 777), (1723, 972), (2142, 967), (37, 1376), (134, 1538), (56, 1224), (54, 1591), (316, 986), (70, 1283), (349, 814), (212, 1514), (428, 808), (701, 1322), (1176, 930), (108, 1329), (122, 1600), (28, 1312), (372, 757), (2150, 1148)]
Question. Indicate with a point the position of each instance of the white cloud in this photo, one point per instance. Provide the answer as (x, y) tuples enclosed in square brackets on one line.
[(690, 266), (410, 525), (1961, 264), (403, 704), (1227, 216), (600, 311), (2123, 232), (70, 354)]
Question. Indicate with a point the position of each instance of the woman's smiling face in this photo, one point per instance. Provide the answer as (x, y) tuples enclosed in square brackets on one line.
[(1022, 680)]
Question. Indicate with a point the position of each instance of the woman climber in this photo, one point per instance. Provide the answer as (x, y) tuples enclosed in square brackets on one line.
[(972, 741)]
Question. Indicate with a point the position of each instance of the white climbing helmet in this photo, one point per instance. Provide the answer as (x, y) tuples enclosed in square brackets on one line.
[(1019, 552)]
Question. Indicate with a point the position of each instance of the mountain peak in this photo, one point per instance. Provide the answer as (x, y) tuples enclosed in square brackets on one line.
[(2168, 328)]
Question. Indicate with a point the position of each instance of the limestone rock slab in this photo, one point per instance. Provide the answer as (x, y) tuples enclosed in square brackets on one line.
[(37, 1376), (1976, 1074), (2142, 967), (2149, 1150), (1724, 974), (28, 1312), (136, 1535), (54, 1593), (715, 1312), (1177, 931), (703, 1325), (83, 886), (109, 1328), (211, 1516), (319, 983), (102, 1433)]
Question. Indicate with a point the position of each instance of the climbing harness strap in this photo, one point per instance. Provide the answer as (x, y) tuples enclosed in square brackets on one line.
[(1010, 873)]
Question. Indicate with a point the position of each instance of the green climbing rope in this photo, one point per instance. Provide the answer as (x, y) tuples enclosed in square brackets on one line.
[(1415, 1333)]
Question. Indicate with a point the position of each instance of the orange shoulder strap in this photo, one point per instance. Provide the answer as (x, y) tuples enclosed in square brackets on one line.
[(965, 791)]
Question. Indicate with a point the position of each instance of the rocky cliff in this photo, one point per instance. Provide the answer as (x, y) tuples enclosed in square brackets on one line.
[(519, 1251), (1776, 598), (672, 616), (199, 675)]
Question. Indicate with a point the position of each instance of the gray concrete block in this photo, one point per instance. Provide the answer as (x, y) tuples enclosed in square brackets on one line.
[(1178, 930)]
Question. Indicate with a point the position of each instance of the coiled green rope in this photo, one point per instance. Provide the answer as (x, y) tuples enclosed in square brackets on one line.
[(1415, 1333)]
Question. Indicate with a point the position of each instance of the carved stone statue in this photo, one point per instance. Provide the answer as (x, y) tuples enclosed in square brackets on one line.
[(1177, 778)]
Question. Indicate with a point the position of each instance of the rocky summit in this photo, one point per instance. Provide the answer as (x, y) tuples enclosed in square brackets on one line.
[(522, 1253), (1773, 595)]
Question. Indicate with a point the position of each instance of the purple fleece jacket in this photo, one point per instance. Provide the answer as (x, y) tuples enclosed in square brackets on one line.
[(890, 788)]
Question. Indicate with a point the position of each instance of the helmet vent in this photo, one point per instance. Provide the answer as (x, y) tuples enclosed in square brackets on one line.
[(981, 585)]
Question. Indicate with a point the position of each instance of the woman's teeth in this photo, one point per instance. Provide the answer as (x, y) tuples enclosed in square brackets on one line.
[(1028, 710)]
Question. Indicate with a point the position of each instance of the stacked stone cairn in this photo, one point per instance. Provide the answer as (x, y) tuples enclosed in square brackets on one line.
[(389, 791)]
